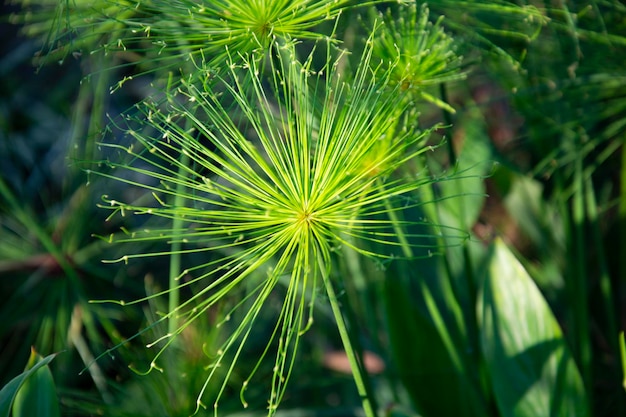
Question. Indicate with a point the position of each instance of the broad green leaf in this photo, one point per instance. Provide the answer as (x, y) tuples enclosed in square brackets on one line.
[(530, 365), (12, 392)]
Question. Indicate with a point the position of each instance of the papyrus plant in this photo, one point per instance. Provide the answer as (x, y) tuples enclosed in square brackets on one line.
[(159, 36), (273, 181), (419, 53)]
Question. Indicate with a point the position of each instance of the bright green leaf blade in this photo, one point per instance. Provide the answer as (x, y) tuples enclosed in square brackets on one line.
[(10, 390), (531, 368), (37, 396)]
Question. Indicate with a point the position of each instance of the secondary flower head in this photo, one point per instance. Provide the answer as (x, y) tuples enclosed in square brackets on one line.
[(170, 35), (273, 181), (420, 52)]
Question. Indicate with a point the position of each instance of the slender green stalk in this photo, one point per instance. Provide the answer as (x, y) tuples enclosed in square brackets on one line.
[(443, 92), (76, 338), (579, 301), (622, 216), (622, 351), (471, 321), (428, 296), (357, 371), (432, 308), (176, 246), (91, 105), (430, 301), (606, 287), (472, 290)]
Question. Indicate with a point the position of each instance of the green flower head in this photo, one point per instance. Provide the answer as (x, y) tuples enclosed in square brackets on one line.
[(171, 35), (272, 183), (420, 52)]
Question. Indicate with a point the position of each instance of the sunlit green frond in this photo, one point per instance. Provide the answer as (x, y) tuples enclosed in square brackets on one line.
[(275, 192), (159, 35), (420, 52)]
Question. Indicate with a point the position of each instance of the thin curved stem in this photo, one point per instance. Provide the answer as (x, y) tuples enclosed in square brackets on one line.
[(357, 372)]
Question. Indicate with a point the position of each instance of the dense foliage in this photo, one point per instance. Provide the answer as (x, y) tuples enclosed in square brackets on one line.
[(313, 207)]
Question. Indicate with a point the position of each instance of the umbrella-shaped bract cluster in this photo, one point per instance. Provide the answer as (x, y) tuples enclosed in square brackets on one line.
[(291, 168)]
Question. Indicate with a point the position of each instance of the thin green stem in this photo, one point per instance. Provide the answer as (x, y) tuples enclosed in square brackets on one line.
[(176, 246), (606, 287), (478, 402), (621, 255), (357, 372), (579, 301), (622, 352), (472, 323), (448, 120), (431, 304)]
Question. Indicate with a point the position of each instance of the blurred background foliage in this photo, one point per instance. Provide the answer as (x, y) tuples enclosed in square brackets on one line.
[(536, 116)]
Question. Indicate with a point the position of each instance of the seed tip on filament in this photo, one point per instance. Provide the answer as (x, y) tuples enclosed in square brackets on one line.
[(155, 366)]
